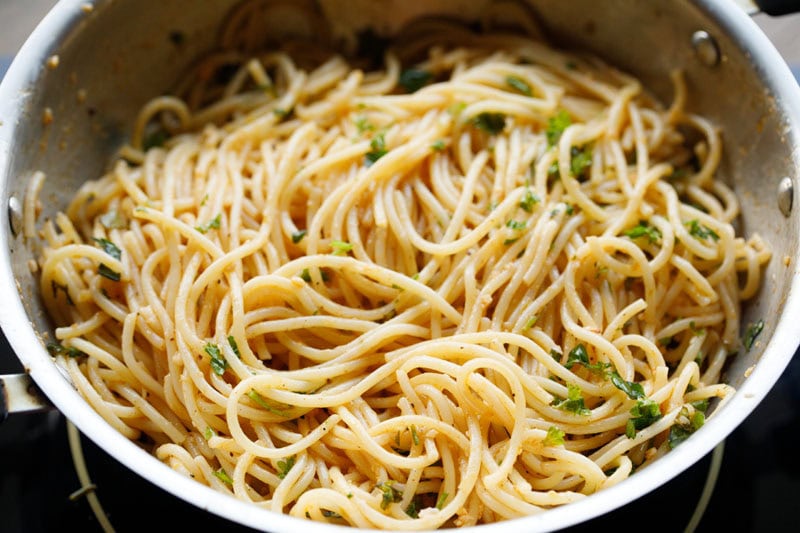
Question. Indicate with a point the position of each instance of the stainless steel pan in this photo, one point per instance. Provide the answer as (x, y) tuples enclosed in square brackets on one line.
[(118, 54)]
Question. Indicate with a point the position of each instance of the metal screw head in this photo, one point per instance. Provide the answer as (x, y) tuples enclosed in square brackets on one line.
[(705, 48), (785, 195), (14, 215)]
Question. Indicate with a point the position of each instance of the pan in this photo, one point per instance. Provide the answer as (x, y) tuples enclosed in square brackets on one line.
[(69, 98)]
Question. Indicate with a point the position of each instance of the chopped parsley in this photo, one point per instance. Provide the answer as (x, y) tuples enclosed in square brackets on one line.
[(556, 126), (509, 242), (519, 85), (643, 229), (679, 432), (56, 348), (341, 247), (257, 398), (491, 123), (440, 501), (515, 225), (378, 145), (363, 124), (330, 514), (555, 437), (284, 465), (298, 236), (414, 436), (573, 403), (223, 476), (531, 322), (109, 247), (390, 494), (528, 201), (633, 390), (579, 355), (700, 231), (214, 223), (306, 275), (413, 79), (581, 160), (234, 346), (644, 413), (438, 145), (218, 362), (412, 509), (752, 332), (108, 273), (208, 433)]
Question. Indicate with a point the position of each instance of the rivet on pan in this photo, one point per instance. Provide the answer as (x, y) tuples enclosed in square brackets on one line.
[(705, 47), (14, 215), (785, 196)]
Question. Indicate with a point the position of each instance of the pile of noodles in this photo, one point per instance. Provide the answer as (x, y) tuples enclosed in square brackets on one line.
[(480, 280)]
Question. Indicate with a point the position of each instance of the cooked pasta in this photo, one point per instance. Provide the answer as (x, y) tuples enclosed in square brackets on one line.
[(478, 281)]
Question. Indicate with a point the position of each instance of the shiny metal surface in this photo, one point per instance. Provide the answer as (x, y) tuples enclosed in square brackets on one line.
[(119, 55)]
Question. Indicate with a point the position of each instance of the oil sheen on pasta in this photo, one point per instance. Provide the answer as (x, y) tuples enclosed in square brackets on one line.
[(478, 280)]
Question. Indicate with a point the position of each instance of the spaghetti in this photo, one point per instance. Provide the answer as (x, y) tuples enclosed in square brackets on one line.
[(477, 288)]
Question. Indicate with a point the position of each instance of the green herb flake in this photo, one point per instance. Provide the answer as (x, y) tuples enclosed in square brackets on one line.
[(528, 201), (555, 355), (378, 145), (701, 405), (643, 229), (218, 362), (581, 160), (531, 322), (519, 85), (579, 355), (438, 146), (330, 514), (414, 436), (305, 275), (700, 231), (234, 346), (644, 413), (390, 494), (412, 510), (214, 223), (106, 272), (574, 402), (257, 398), (509, 242), (297, 236), (341, 247), (491, 123), (556, 126), (633, 390), (284, 465), (209, 432), (363, 124), (695, 330), (413, 79), (56, 348), (515, 225), (440, 501), (752, 332), (113, 220), (109, 247), (555, 437), (223, 476)]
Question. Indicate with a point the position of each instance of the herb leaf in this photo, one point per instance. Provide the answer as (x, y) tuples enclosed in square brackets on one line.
[(378, 145), (700, 231), (519, 85), (113, 220), (580, 161), (555, 437), (390, 494), (341, 247), (438, 145), (218, 362), (257, 398), (579, 355), (413, 79), (633, 390), (556, 126), (573, 403), (109, 247), (284, 465), (106, 272), (644, 413), (440, 501), (515, 225), (212, 224), (753, 331), (56, 348), (491, 123), (223, 476), (234, 346), (528, 201), (297, 236), (643, 229)]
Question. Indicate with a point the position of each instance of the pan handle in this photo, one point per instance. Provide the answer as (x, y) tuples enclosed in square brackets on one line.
[(19, 394), (778, 7)]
